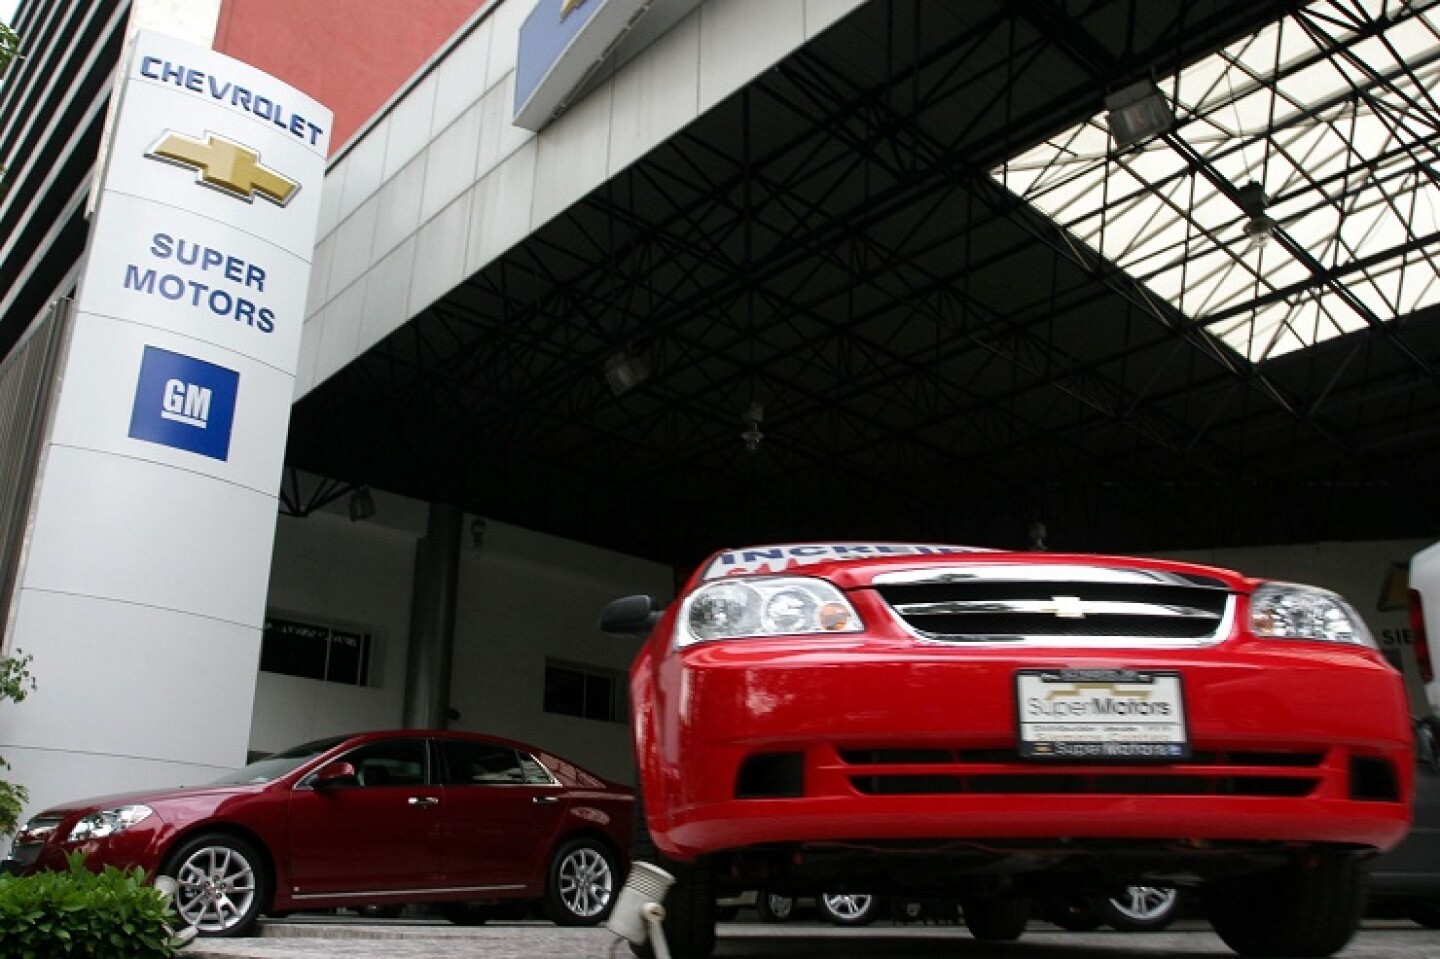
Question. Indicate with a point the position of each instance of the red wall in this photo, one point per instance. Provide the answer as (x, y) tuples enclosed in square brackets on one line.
[(351, 55)]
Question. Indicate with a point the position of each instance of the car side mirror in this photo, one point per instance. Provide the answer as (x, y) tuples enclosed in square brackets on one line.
[(334, 774), (630, 616)]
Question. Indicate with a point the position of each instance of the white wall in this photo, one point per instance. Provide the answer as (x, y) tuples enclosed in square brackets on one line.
[(442, 183), (329, 570), (525, 597), (522, 597)]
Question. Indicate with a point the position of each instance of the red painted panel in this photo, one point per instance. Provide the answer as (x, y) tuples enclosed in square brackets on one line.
[(351, 55)]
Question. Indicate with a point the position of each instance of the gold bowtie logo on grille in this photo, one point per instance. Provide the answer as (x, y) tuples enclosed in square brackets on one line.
[(1066, 607), (225, 165)]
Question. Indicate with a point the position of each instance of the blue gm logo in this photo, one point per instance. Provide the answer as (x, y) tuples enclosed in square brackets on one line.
[(185, 403)]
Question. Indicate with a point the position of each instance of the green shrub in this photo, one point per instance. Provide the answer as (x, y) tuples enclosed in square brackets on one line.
[(9, 47), (85, 915), (15, 684)]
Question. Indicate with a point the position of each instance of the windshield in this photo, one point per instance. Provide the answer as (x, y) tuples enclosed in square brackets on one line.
[(278, 764)]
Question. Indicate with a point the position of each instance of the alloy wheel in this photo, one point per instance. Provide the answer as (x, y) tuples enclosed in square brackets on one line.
[(217, 888), (587, 882)]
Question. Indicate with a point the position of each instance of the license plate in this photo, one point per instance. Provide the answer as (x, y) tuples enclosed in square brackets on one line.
[(1104, 715)]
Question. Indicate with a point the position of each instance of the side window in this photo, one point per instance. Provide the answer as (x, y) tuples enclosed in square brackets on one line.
[(481, 764), (535, 773), (396, 762)]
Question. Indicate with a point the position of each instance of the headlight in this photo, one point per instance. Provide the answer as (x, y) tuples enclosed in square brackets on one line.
[(107, 822), (766, 607), (1291, 611)]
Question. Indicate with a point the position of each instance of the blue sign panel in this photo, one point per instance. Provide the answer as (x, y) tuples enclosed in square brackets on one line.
[(185, 403), (545, 35)]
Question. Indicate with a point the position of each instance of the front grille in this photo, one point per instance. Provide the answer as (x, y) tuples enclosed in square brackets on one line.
[(892, 772), (929, 756), (1049, 784), (1071, 603)]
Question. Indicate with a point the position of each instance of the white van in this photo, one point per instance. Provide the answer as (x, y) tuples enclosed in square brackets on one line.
[(1425, 617), (1405, 882)]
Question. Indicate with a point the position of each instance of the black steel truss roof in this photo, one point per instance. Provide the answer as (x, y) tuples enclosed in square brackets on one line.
[(934, 358)]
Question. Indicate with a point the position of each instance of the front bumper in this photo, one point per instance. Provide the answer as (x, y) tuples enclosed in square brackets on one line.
[(138, 847), (771, 742)]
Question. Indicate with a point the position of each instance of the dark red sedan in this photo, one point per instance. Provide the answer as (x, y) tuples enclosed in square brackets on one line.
[(404, 816)]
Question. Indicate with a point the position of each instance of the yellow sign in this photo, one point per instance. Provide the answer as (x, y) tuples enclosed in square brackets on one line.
[(226, 166)]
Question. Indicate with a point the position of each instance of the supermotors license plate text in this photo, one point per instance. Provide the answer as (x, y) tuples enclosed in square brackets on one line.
[(1115, 715)]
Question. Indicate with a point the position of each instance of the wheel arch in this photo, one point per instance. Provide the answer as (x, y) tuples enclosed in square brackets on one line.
[(236, 831), (622, 856), (652, 788)]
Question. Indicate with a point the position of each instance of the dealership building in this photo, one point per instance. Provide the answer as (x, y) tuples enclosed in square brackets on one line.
[(512, 307)]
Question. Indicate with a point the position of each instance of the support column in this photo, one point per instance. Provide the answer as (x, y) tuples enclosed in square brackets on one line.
[(432, 620)]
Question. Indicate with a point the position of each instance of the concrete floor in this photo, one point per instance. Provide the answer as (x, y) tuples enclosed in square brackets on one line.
[(305, 938)]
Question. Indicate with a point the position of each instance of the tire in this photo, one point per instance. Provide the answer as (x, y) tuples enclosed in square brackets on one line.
[(689, 923), (1072, 913), (841, 909), (1307, 909), (581, 884), (464, 913), (1140, 908), (773, 907), (224, 884), (992, 919)]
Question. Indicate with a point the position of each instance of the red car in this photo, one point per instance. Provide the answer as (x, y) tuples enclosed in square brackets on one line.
[(463, 820), (931, 721)]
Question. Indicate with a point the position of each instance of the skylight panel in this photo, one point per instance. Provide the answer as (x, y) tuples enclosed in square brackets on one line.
[(1333, 139)]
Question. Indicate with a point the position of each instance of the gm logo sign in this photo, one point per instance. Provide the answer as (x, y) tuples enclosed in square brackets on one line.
[(185, 403)]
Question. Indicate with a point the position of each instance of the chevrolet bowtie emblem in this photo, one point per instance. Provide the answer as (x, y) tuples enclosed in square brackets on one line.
[(226, 166), (1067, 607)]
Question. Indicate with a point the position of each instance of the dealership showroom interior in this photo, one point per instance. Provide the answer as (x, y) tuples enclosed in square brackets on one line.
[(357, 356)]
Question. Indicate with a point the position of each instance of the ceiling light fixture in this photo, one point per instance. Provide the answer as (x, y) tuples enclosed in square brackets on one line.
[(752, 436), (1253, 202), (624, 371), (1138, 112)]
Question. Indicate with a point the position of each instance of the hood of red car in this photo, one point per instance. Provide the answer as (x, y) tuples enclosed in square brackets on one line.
[(157, 799)]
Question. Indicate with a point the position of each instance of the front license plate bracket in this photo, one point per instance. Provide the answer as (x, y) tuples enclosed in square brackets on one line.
[(1101, 715)]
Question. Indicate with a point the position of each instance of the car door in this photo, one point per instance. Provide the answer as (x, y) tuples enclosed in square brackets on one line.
[(501, 811), (380, 832)]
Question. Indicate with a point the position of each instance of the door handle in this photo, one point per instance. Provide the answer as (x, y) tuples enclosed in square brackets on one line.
[(423, 801), (544, 800)]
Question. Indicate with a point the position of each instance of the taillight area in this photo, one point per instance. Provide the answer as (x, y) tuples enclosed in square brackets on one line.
[(1421, 641)]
